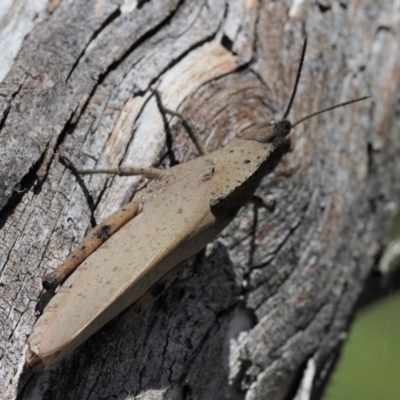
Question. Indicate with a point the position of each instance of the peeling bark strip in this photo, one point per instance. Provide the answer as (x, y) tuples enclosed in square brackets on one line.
[(273, 299)]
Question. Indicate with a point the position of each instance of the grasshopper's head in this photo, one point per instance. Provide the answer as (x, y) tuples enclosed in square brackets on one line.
[(273, 132), (281, 129), (280, 132)]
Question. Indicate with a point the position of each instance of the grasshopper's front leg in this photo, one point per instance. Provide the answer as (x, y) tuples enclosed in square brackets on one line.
[(195, 138)]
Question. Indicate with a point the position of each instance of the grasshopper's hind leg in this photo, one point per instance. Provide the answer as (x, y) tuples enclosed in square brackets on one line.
[(98, 235), (94, 239)]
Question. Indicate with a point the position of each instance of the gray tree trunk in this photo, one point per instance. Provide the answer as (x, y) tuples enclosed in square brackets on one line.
[(264, 315)]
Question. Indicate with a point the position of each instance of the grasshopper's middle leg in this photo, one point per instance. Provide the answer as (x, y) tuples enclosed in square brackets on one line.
[(268, 202)]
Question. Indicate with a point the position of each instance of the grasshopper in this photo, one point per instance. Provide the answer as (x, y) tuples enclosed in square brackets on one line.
[(200, 198)]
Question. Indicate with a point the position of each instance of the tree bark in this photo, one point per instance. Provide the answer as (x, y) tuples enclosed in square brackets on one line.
[(263, 317)]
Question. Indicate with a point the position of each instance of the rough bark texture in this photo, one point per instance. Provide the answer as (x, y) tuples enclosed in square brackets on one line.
[(264, 316)]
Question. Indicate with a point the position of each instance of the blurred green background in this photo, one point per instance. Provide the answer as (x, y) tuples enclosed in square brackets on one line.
[(369, 367)]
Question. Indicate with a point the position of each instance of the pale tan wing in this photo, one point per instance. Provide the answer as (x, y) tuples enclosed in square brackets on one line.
[(125, 266)]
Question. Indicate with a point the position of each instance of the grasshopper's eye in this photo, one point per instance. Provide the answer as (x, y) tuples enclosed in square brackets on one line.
[(282, 129)]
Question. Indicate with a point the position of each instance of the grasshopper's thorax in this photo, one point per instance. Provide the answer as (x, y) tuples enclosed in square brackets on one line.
[(274, 139), (240, 166)]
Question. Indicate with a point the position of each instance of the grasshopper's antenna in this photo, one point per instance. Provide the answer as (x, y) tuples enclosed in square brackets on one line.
[(329, 109), (303, 53)]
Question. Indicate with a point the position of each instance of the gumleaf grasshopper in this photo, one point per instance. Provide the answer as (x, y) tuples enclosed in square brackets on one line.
[(193, 203)]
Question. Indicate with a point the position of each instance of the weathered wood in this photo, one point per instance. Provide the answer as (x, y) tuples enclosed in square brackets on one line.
[(275, 295)]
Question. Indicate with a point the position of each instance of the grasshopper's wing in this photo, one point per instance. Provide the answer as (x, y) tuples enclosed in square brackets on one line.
[(126, 265)]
